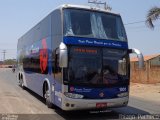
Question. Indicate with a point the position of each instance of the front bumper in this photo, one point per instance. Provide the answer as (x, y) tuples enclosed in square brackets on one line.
[(84, 104)]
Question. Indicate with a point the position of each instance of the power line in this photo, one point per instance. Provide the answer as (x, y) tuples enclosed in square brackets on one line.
[(141, 27), (137, 22), (134, 22)]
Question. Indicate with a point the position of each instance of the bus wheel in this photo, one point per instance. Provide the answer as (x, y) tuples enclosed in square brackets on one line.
[(47, 96)]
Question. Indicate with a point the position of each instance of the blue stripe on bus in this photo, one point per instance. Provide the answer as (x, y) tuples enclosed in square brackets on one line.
[(98, 93), (95, 42)]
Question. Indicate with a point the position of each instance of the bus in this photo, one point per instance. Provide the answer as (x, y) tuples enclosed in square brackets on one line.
[(77, 58)]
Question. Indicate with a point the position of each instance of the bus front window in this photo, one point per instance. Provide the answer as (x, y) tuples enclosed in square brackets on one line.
[(111, 74), (83, 23), (78, 23), (84, 65), (96, 66)]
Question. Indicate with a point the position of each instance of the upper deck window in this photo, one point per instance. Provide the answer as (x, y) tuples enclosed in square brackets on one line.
[(83, 23)]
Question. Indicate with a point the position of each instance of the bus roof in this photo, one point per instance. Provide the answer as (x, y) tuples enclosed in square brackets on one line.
[(86, 8), (75, 7)]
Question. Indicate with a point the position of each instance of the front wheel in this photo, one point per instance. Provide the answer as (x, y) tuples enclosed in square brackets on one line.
[(47, 98)]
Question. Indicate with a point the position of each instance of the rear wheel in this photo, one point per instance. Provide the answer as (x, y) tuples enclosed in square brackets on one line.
[(21, 82)]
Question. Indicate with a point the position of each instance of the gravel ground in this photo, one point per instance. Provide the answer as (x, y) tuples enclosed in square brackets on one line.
[(149, 92)]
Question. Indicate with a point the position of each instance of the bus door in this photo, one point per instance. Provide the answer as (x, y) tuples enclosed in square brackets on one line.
[(57, 79)]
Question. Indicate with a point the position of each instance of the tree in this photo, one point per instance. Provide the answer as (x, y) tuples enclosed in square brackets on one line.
[(153, 15), (10, 62)]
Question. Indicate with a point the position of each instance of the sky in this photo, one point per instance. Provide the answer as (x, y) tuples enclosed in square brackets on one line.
[(18, 16)]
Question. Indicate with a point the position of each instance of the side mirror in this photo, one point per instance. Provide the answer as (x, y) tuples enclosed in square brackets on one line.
[(63, 56), (139, 56)]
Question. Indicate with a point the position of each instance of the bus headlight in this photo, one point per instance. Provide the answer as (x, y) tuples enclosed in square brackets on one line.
[(74, 96), (123, 94)]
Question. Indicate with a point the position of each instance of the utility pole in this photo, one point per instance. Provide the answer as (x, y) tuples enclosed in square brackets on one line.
[(4, 54), (98, 3)]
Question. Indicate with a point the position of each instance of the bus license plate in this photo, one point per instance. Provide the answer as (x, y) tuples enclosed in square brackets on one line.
[(101, 105)]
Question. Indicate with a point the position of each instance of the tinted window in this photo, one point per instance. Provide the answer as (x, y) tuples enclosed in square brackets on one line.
[(109, 25), (81, 23), (85, 65), (92, 24), (97, 66)]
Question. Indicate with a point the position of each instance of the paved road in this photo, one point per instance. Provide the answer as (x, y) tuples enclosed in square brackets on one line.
[(14, 100)]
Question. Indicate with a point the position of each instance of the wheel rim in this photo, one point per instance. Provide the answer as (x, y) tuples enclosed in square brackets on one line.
[(47, 95), (21, 83)]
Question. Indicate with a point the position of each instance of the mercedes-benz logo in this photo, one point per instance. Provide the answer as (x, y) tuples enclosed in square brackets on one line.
[(101, 94)]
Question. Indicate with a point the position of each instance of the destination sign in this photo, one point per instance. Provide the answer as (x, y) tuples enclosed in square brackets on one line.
[(85, 50)]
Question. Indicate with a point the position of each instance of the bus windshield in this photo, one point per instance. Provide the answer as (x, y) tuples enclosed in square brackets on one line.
[(83, 23), (97, 66)]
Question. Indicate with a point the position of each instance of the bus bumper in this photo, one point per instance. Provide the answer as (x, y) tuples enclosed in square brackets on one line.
[(84, 104)]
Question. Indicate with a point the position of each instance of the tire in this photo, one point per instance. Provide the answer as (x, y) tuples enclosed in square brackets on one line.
[(21, 83), (47, 96)]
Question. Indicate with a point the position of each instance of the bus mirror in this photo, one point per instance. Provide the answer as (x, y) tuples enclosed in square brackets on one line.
[(122, 70), (139, 56), (63, 56)]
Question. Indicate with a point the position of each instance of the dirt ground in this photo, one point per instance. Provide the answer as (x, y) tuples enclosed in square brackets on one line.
[(149, 92), (143, 98)]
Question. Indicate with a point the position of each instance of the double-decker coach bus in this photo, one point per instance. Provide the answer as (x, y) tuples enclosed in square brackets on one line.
[(77, 58)]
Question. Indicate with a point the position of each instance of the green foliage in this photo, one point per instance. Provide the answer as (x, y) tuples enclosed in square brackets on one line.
[(153, 15), (9, 62)]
